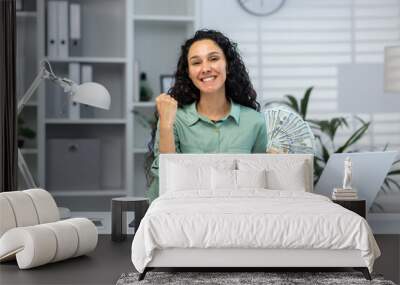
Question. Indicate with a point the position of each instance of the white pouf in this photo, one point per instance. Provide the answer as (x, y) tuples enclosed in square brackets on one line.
[(31, 233)]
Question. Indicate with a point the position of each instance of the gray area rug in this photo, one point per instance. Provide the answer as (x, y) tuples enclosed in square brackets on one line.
[(270, 278)]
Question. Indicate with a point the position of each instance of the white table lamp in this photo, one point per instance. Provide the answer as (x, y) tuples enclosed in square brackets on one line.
[(92, 94), (89, 93)]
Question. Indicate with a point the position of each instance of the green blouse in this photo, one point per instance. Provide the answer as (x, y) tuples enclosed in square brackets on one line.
[(243, 130)]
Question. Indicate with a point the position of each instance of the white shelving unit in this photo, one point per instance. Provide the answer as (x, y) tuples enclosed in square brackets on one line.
[(87, 59), (29, 151), (164, 18), (86, 121), (104, 46), (159, 28), (26, 14), (133, 36)]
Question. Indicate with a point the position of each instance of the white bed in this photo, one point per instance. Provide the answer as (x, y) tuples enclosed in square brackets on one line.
[(203, 218)]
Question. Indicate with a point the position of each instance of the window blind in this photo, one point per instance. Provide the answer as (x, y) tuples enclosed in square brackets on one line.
[(302, 45)]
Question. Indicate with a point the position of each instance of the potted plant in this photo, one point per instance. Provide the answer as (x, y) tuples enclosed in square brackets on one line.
[(324, 131)]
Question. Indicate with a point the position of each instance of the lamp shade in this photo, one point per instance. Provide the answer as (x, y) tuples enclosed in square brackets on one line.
[(92, 94), (392, 69)]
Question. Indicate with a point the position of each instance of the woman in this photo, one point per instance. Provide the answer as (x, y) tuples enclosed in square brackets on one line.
[(212, 106)]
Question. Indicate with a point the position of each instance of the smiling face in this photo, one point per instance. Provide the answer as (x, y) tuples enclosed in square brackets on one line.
[(207, 66)]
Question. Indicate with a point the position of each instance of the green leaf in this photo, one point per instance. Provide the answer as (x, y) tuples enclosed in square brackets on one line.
[(313, 123), (394, 182), (397, 161), (394, 172), (357, 135), (386, 182), (317, 170), (26, 133), (385, 147), (376, 205), (330, 127), (324, 150), (304, 103), (384, 189), (292, 103)]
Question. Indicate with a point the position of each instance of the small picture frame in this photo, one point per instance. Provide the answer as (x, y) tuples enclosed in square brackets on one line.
[(166, 82)]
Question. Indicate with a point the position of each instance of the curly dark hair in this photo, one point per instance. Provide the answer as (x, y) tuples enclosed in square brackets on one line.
[(238, 86)]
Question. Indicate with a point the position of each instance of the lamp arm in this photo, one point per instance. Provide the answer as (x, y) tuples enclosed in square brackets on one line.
[(26, 174), (68, 85), (43, 73)]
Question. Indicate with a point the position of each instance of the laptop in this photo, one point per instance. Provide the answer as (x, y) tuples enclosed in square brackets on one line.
[(369, 170)]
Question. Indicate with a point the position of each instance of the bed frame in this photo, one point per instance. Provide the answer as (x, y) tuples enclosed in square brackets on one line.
[(245, 259), (249, 259)]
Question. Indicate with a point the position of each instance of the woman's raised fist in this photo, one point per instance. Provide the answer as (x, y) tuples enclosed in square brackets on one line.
[(166, 107)]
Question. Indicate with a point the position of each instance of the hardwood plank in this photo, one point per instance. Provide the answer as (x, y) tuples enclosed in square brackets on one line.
[(102, 266)]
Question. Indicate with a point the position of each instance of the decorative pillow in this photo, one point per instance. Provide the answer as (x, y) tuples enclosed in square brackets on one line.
[(251, 178), (182, 177), (235, 179), (292, 179), (282, 173), (223, 179)]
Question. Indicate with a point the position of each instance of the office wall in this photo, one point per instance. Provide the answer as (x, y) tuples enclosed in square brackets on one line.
[(307, 43)]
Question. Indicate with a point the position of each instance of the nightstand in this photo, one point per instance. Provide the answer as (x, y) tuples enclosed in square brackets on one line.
[(120, 205), (357, 206)]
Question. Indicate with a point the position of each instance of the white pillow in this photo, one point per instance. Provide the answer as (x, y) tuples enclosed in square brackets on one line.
[(223, 179), (292, 179), (235, 179), (185, 175), (251, 178), (282, 174), (182, 177)]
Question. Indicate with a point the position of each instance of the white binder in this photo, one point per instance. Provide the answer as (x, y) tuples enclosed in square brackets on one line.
[(63, 39), (52, 29), (74, 75), (75, 29)]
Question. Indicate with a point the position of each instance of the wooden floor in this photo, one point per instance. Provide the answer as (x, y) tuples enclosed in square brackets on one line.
[(111, 259), (102, 266)]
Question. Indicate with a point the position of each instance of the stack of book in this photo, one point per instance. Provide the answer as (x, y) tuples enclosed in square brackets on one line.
[(344, 194)]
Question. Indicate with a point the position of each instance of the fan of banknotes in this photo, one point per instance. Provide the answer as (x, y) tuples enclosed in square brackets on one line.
[(287, 132)]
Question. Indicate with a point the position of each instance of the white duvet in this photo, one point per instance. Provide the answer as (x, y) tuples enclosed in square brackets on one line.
[(251, 218)]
